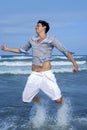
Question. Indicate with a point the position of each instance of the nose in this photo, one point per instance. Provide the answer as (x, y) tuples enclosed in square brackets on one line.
[(36, 27)]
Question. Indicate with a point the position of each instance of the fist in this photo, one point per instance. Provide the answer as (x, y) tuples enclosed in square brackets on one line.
[(3, 47), (75, 68)]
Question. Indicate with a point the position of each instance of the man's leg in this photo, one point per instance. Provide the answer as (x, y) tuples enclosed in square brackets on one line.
[(31, 89), (51, 88), (37, 100), (60, 101)]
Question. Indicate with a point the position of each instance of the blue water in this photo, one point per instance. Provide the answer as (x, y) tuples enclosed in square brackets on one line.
[(16, 115)]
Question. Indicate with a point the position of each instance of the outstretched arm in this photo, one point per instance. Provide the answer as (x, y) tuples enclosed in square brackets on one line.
[(75, 66), (5, 48)]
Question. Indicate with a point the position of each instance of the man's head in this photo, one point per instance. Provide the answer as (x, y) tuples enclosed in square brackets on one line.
[(44, 24)]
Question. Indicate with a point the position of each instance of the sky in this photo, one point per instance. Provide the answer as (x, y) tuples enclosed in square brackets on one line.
[(67, 20)]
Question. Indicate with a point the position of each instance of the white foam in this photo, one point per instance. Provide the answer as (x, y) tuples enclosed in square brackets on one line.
[(15, 72), (39, 119), (29, 63), (59, 57), (66, 62), (21, 57), (15, 63), (28, 70), (16, 57), (78, 57), (64, 115), (8, 123), (60, 120)]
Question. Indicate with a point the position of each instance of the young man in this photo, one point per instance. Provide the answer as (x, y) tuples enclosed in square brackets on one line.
[(42, 77)]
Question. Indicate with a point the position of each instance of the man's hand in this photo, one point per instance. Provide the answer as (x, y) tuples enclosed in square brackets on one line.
[(3, 47), (75, 68)]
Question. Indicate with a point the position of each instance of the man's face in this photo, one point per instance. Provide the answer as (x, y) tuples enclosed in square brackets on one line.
[(39, 28)]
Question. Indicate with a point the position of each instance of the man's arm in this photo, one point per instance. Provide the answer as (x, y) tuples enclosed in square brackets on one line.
[(75, 66), (61, 48), (5, 48)]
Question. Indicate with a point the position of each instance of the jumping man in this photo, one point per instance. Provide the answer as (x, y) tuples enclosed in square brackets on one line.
[(42, 77)]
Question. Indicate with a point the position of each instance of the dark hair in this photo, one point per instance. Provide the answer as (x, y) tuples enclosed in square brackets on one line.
[(44, 23)]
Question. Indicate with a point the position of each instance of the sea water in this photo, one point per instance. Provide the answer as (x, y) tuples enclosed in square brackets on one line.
[(16, 115)]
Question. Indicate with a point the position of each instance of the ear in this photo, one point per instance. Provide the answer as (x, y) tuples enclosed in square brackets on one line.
[(45, 28)]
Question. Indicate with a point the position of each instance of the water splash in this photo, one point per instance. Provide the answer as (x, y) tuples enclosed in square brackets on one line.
[(64, 115), (47, 118), (39, 118)]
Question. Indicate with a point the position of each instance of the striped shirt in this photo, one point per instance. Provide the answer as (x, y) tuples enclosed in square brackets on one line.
[(42, 52)]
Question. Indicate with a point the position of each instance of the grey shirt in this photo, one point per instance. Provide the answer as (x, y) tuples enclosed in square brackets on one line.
[(42, 52)]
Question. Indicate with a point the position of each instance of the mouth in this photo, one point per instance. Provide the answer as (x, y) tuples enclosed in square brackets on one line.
[(36, 29)]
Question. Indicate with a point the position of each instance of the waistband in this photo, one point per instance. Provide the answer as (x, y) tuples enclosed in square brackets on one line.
[(42, 72)]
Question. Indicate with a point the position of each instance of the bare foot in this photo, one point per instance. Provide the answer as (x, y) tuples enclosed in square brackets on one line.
[(37, 100)]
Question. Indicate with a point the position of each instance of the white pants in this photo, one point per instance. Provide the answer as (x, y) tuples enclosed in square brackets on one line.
[(44, 81)]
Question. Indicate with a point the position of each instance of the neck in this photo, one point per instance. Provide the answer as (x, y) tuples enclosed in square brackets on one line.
[(42, 35)]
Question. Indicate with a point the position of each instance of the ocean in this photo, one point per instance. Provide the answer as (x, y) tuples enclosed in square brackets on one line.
[(16, 115)]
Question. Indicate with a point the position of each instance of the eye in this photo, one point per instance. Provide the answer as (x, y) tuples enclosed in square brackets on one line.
[(38, 26)]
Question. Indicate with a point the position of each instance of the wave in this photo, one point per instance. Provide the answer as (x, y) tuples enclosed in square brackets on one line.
[(15, 63), (40, 118), (59, 57), (15, 57), (78, 57), (11, 123), (66, 62), (29, 63), (23, 66), (10, 57), (28, 71), (64, 57), (16, 72), (0, 57)]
